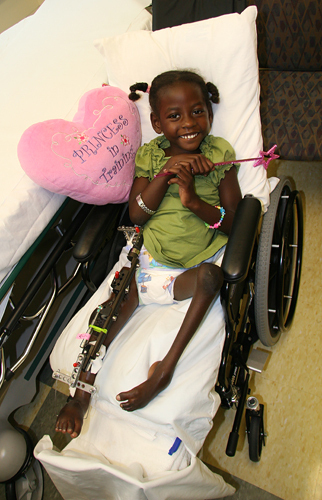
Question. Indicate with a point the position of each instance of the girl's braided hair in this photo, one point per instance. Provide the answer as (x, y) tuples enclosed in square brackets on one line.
[(209, 90)]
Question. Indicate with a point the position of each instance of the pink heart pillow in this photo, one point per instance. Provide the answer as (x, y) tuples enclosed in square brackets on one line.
[(90, 159)]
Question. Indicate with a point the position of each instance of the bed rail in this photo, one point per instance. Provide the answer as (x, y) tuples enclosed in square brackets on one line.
[(47, 269)]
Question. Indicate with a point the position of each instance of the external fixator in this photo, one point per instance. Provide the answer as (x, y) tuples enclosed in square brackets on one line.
[(105, 315)]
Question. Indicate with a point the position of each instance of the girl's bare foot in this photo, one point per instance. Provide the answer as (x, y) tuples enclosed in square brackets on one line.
[(71, 416), (141, 395)]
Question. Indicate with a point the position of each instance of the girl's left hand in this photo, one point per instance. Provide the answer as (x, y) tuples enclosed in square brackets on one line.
[(185, 180)]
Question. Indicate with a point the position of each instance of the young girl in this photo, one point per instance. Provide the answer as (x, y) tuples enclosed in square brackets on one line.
[(186, 207)]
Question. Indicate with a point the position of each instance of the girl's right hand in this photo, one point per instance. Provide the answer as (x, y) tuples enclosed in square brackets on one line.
[(197, 164), (185, 181)]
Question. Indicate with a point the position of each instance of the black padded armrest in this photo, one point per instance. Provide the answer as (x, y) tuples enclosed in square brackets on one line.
[(241, 241), (96, 226)]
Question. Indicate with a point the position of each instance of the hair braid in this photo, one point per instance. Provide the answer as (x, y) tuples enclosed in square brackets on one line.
[(213, 91), (168, 78), (142, 86)]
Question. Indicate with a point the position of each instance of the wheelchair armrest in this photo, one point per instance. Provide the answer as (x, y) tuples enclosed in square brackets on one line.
[(241, 240), (96, 226)]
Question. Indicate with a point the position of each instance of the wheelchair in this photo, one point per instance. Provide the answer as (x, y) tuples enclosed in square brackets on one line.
[(259, 299), (261, 265), (262, 269)]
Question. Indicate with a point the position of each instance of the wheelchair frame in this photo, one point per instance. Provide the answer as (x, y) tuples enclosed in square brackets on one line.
[(254, 311)]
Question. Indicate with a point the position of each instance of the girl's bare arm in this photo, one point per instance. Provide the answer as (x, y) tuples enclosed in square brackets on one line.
[(229, 193), (152, 192)]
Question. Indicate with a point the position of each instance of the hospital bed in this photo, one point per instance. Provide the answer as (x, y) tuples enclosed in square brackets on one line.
[(179, 419), (48, 62)]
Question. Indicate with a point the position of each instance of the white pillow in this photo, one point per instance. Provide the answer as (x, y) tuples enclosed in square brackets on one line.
[(224, 51)]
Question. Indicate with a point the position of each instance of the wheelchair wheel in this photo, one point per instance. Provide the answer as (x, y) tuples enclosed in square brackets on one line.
[(255, 439), (255, 428), (278, 263)]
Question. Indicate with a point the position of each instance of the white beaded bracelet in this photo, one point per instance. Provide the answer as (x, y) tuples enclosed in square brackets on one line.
[(142, 205)]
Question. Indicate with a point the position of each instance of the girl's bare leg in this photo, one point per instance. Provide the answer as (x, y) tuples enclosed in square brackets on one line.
[(202, 284), (70, 418)]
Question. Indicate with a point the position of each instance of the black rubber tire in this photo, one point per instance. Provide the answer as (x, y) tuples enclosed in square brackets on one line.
[(269, 275), (255, 439)]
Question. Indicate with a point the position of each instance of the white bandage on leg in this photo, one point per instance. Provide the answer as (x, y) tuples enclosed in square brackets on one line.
[(98, 362)]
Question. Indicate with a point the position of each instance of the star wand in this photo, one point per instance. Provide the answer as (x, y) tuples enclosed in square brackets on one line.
[(264, 158)]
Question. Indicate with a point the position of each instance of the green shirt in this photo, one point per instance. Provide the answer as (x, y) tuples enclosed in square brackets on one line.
[(174, 235)]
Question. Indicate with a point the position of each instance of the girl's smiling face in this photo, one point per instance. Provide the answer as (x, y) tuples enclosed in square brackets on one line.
[(184, 117)]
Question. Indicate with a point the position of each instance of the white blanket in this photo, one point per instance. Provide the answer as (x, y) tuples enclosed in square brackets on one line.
[(92, 477), (138, 443)]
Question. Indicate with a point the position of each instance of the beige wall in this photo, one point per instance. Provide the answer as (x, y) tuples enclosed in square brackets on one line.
[(12, 11)]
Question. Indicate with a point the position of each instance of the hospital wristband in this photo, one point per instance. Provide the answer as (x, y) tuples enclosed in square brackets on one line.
[(217, 224), (142, 205)]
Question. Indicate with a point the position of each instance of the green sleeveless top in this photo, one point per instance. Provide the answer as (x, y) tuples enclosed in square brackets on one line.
[(174, 235)]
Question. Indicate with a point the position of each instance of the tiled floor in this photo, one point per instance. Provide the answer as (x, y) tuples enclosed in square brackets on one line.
[(12, 12), (291, 463)]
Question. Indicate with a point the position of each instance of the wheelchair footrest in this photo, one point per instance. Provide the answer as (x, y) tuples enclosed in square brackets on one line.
[(257, 359)]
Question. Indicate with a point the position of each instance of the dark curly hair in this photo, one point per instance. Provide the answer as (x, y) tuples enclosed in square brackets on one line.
[(209, 90)]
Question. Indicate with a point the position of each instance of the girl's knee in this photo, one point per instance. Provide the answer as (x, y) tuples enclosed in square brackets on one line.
[(210, 278)]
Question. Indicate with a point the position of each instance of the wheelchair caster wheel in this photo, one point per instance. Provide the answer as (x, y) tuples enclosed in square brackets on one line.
[(255, 430)]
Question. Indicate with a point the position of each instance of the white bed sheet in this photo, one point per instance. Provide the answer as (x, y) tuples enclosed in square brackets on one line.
[(47, 62), (129, 451)]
